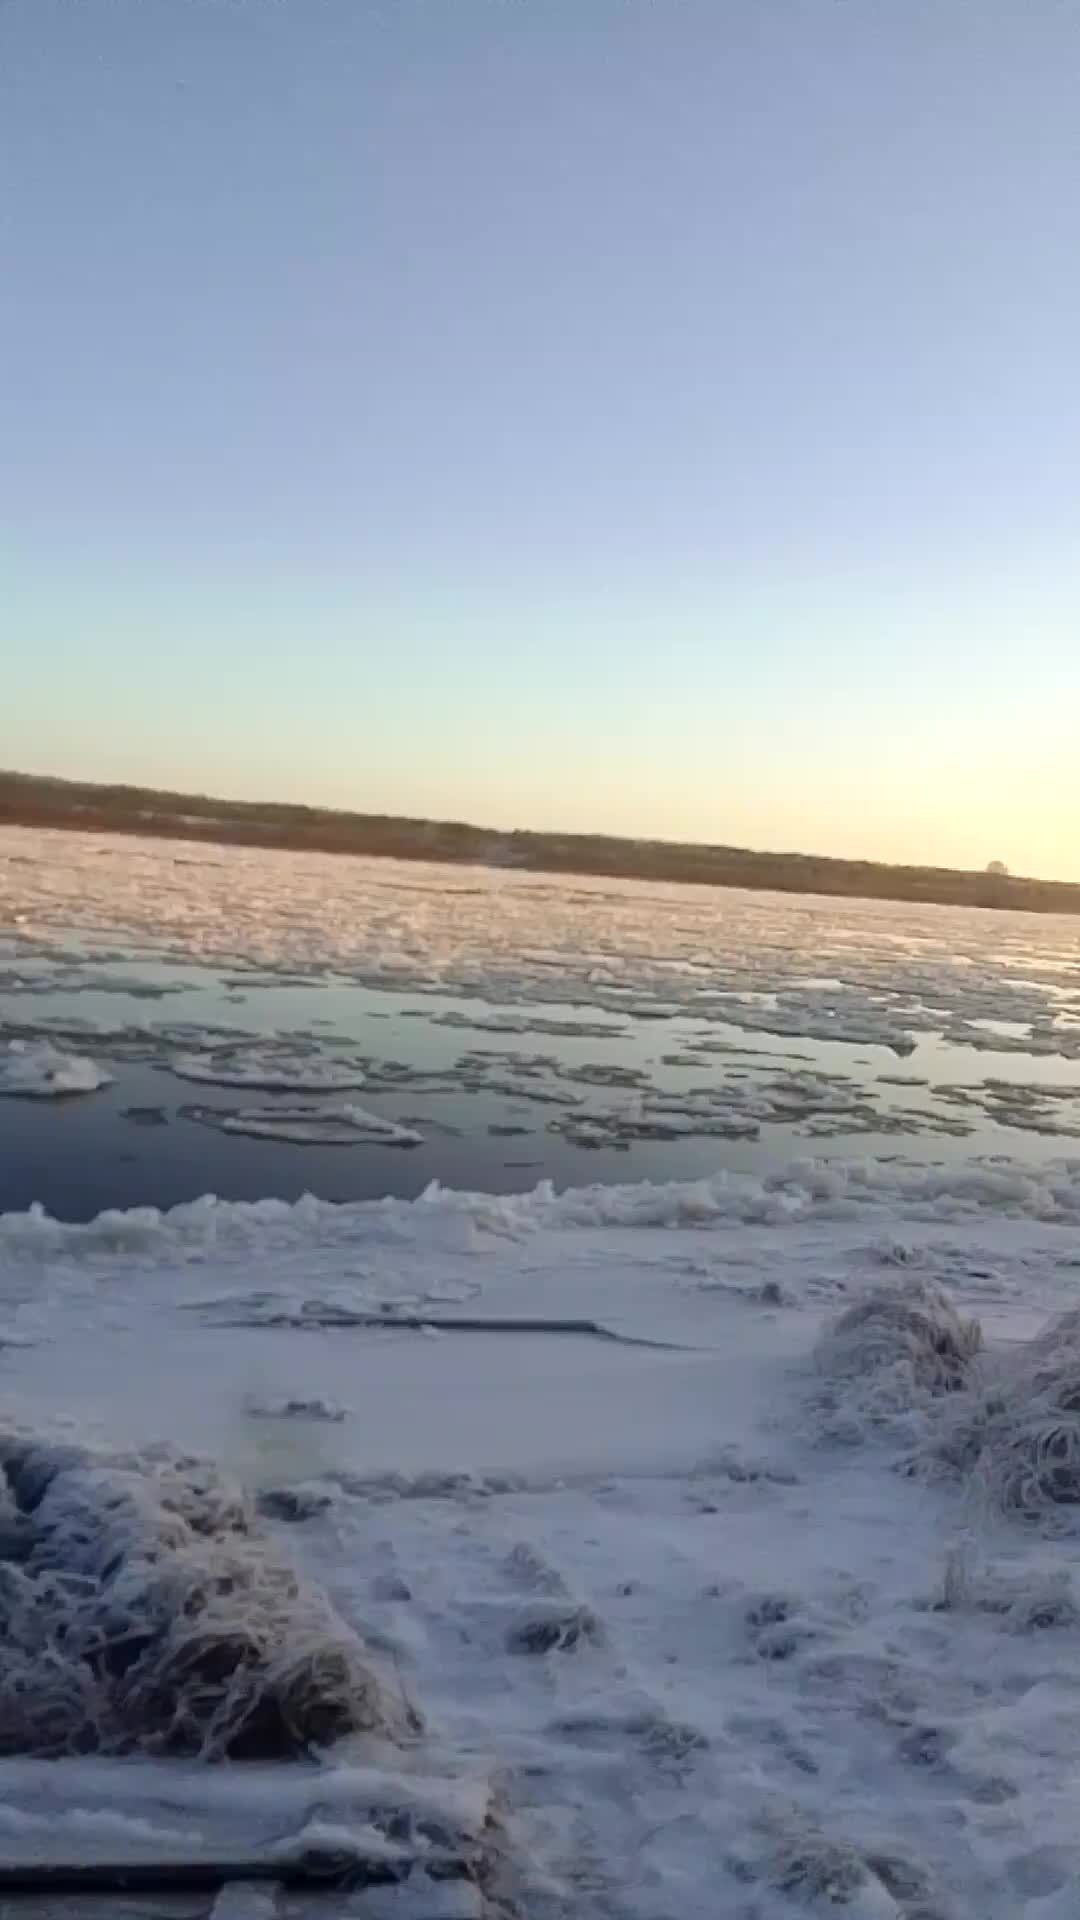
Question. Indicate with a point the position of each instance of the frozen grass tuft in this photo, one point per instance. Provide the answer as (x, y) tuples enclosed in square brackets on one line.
[(145, 1612), (915, 1328), (811, 1867), (1017, 1436), (817, 1872), (554, 1627), (1032, 1601), (891, 1355)]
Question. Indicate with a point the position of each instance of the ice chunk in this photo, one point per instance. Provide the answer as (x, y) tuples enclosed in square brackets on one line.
[(37, 1072), (308, 1124), (270, 1069)]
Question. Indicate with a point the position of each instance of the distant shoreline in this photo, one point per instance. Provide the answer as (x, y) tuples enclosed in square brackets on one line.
[(29, 800)]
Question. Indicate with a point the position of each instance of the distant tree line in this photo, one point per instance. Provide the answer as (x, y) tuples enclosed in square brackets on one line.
[(31, 800)]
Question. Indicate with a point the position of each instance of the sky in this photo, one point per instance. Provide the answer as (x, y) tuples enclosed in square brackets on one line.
[(649, 416)]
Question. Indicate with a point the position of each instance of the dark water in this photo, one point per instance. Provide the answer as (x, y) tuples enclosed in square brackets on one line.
[(136, 1143), (131, 1144)]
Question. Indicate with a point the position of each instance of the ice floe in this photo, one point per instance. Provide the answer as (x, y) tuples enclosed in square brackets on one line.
[(42, 1072), (308, 1124)]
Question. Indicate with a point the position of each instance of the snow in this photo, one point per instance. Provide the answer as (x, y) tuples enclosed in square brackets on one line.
[(42, 1072), (185, 1813), (707, 1657)]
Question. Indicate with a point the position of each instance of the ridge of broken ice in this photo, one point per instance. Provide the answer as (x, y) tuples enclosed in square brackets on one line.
[(805, 1193)]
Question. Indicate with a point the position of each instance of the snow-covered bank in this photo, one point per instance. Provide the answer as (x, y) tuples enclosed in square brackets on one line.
[(716, 1649)]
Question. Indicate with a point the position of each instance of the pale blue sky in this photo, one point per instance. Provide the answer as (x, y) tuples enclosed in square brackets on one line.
[(653, 415)]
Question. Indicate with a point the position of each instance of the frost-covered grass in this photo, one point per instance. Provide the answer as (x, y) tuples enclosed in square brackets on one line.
[(145, 1611), (1016, 1435), (1010, 1427), (893, 1352), (821, 1872)]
